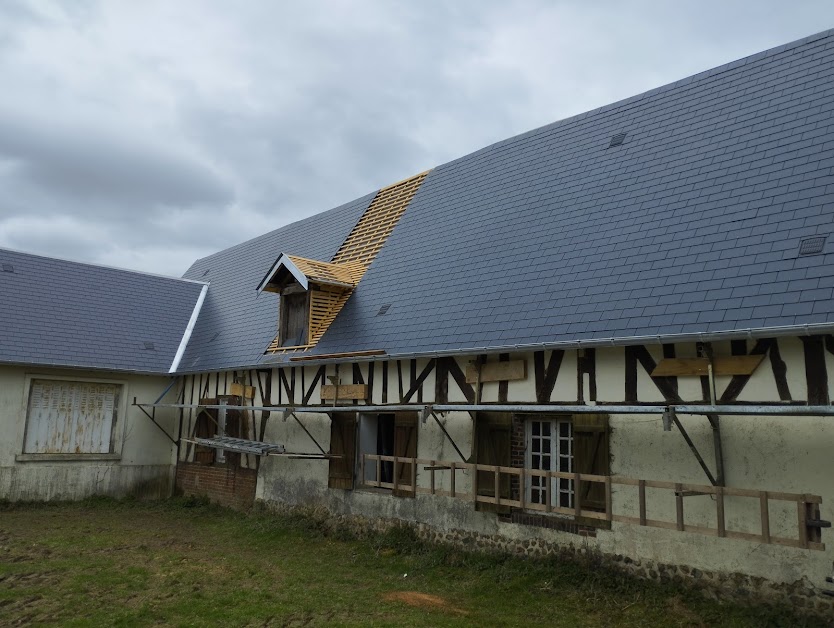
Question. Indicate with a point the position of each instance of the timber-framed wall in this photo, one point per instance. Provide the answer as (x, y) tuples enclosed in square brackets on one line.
[(757, 453)]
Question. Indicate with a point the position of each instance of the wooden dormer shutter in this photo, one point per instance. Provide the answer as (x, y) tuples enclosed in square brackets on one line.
[(591, 456), (342, 444), (405, 446), (295, 316)]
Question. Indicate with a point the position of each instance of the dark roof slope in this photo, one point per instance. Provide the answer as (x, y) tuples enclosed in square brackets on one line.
[(60, 313), (236, 324), (692, 225)]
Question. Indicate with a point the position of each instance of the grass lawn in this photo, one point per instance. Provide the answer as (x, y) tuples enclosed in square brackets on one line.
[(104, 563)]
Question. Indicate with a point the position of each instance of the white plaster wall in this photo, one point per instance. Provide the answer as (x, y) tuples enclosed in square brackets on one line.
[(788, 454), (146, 463)]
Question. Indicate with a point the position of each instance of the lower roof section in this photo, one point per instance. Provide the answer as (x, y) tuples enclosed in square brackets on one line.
[(63, 314)]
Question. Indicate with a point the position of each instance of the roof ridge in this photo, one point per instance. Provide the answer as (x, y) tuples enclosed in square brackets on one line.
[(103, 266)]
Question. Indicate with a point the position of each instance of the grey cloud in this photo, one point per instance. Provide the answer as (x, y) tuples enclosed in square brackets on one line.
[(83, 164), (149, 134)]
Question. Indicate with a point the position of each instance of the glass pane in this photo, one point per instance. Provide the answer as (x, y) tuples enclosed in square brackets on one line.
[(564, 464), (536, 445), (546, 429), (535, 462), (545, 463), (535, 428), (564, 429)]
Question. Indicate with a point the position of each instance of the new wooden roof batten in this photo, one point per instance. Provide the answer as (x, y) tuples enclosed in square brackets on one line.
[(336, 280)]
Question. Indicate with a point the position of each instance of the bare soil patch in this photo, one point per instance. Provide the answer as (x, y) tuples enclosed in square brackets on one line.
[(423, 600)]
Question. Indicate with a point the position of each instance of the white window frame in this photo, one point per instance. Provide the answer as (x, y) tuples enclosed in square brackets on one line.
[(559, 448), (117, 430)]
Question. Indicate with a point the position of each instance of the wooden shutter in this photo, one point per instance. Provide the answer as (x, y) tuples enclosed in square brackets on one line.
[(492, 446), (405, 446), (235, 426), (294, 315), (342, 444), (205, 426), (68, 417), (590, 455)]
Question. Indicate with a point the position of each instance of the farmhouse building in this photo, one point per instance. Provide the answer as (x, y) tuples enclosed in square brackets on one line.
[(77, 343), (614, 333)]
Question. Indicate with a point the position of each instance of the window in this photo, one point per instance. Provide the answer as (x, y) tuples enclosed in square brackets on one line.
[(294, 318), (550, 448), (567, 444), (390, 434), (206, 426), (71, 417)]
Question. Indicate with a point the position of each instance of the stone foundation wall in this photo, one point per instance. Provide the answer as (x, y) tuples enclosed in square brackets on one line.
[(736, 587)]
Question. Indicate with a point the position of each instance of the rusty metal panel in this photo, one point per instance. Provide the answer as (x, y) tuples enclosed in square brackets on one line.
[(67, 417)]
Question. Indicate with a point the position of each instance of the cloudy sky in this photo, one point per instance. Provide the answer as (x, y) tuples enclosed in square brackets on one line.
[(148, 134)]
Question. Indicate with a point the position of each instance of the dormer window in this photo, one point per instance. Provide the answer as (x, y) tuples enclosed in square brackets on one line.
[(312, 293)]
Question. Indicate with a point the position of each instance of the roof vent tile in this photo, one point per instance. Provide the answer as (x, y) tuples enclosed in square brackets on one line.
[(812, 246), (149, 346), (8, 268), (617, 139), (383, 309)]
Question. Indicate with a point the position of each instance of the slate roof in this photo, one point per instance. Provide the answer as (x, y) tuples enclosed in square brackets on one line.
[(55, 312), (692, 225), (236, 323)]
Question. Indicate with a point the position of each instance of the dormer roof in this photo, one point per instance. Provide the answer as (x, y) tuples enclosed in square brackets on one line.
[(303, 271)]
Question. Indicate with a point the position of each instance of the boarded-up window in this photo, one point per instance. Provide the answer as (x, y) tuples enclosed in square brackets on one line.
[(294, 317), (65, 417), (492, 447), (343, 447)]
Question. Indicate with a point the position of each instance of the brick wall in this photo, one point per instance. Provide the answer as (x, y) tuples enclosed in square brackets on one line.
[(226, 485)]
